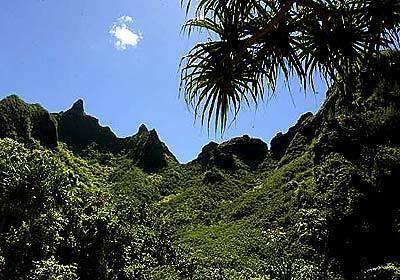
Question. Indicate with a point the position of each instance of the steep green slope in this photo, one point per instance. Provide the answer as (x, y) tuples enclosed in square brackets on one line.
[(321, 203), (326, 208), (26, 123)]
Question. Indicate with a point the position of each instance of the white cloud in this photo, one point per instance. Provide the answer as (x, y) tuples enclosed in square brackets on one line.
[(123, 35)]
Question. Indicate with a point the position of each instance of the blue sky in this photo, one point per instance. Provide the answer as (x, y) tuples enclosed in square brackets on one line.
[(56, 51)]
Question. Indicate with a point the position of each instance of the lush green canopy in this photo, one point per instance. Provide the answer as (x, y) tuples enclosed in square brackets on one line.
[(252, 43)]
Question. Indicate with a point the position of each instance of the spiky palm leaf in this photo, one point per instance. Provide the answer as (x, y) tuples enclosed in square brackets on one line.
[(254, 42)]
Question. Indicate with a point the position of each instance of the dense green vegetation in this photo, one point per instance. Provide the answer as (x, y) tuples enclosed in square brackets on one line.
[(26, 122), (320, 203)]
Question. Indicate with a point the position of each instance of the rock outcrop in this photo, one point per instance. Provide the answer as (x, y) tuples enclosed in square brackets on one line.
[(249, 151), (27, 122), (142, 129), (146, 150), (79, 130), (299, 134)]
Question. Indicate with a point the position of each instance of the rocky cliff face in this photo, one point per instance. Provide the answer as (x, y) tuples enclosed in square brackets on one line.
[(146, 149), (228, 155), (26, 122), (281, 143), (79, 130)]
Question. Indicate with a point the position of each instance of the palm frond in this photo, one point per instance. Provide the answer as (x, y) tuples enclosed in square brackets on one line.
[(255, 43)]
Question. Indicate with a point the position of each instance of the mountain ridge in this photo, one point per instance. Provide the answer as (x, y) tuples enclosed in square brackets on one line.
[(320, 203), (81, 131)]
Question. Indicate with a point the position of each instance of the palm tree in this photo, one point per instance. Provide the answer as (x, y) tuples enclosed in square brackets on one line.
[(252, 43)]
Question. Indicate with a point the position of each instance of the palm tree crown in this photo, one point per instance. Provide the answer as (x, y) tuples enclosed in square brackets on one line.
[(253, 42)]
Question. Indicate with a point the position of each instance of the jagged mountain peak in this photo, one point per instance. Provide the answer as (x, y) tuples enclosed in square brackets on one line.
[(146, 149), (142, 128), (81, 131), (78, 107)]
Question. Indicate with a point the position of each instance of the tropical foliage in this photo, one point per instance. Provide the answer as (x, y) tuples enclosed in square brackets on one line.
[(251, 44), (326, 207)]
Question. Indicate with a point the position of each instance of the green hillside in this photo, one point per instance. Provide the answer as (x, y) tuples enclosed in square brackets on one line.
[(320, 202)]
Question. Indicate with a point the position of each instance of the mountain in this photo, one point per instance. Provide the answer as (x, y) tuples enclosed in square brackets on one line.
[(319, 202), (249, 151), (146, 149), (26, 122), (78, 130), (81, 132)]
